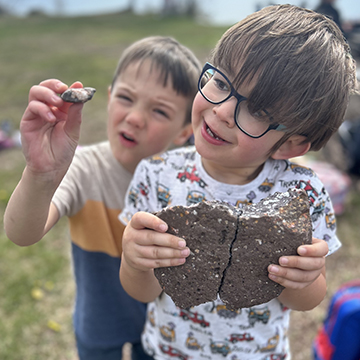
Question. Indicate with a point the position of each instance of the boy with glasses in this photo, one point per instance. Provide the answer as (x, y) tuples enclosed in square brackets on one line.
[(277, 86)]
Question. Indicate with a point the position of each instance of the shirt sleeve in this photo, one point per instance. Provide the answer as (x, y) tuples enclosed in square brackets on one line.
[(68, 197), (323, 215)]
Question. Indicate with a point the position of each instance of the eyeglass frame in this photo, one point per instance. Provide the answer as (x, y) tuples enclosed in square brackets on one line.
[(239, 98)]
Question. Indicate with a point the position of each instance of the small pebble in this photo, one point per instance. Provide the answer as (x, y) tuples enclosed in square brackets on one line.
[(78, 95)]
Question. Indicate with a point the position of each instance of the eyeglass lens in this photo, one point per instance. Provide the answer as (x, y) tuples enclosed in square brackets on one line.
[(215, 88)]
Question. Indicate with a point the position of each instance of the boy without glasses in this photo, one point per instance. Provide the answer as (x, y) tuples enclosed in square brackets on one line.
[(149, 109), (277, 86)]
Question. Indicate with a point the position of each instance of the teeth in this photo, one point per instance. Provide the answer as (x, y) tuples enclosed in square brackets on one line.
[(212, 134), (127, 137)]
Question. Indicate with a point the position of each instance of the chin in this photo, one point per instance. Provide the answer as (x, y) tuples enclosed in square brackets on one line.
[(205, 153)]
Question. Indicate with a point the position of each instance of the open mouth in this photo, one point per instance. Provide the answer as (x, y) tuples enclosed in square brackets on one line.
[(212, 134), (127, 137), (127, 140)]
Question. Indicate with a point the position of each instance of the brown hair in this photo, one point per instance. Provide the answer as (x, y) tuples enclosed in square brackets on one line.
[(302, 66), (174, 60)]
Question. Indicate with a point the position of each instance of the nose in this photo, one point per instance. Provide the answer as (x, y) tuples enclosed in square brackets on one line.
[(136, 117), (226, 111)]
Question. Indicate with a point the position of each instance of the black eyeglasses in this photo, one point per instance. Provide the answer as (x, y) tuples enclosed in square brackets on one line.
[(216, 88)]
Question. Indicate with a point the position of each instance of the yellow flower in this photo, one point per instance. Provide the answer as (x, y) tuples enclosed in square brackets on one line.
[(37, 293), (54, 326)]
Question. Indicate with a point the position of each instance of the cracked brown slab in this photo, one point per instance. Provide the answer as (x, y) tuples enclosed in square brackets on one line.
[(231, 248)]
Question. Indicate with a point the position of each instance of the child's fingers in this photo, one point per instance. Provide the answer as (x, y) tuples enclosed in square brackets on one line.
[(44, 95), (293, 274), (146, 244), (162, 240), (53, 87), (318, 248), (144, 220), (76, 84), (151, 249), (295, 279), (54, 84), (148, 258), (164, 252), (302, 263), (45, 102), (153, 264), (37, 109), (157, 256), (72, 125), (48, 92), (155, 245)]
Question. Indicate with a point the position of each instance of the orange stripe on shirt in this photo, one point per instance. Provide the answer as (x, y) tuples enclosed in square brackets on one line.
[(97, 228)]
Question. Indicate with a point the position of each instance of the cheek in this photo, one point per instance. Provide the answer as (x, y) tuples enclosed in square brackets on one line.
[(114, 117), (199, 106), (111, 128), (116, 112), (257, 150), (157, 134), (159, 137)]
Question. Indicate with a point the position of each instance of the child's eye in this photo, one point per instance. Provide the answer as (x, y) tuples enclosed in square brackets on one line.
[(221, 85), (260, 114), (162, 113), (123, 97)]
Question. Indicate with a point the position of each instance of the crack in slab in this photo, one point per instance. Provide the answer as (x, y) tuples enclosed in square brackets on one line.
[(230, 251)]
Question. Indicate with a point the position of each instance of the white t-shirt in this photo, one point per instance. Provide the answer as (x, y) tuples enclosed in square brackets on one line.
[(210, 331)]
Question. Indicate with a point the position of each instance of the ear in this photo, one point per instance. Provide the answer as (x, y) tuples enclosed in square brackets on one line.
[(109, 96), (295, 145), (183, 135)]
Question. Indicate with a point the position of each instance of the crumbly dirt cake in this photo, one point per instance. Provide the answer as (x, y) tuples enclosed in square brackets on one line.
[(274, 227), (208, 229), (230, 248)]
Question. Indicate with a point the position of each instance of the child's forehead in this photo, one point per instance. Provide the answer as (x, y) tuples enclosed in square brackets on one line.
[(140, 67), (255, 84), (235, 76), (145, 70)]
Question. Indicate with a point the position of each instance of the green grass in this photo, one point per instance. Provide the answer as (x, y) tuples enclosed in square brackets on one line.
[(36, 283)]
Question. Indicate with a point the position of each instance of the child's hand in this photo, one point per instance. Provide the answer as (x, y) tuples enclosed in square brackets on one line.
[(50, 128), (146, 245), (298, 272)]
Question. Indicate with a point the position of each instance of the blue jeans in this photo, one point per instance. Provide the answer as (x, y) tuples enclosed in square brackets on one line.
[(85, 353)]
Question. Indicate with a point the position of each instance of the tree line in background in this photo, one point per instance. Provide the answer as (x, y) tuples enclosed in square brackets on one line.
[(168, 8)]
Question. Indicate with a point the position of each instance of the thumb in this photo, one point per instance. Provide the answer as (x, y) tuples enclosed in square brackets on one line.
[(73, 122)]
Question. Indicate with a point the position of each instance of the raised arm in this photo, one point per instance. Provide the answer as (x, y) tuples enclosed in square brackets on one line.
[(146, 246), (50, 131)]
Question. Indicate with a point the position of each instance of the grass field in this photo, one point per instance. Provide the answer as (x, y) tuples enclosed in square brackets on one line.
[(36, 287)]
